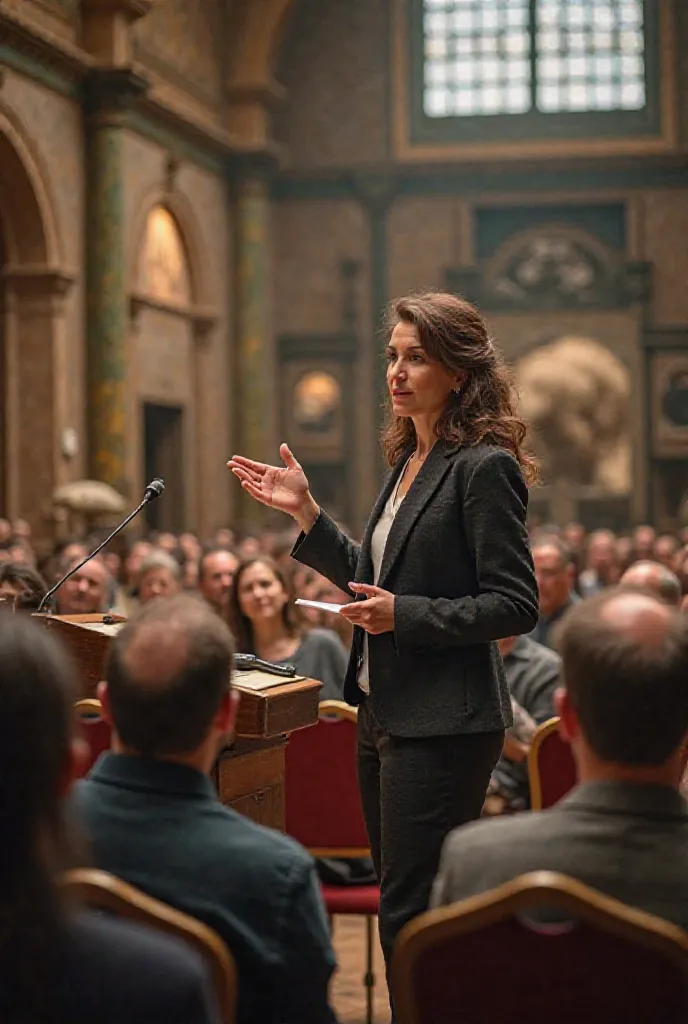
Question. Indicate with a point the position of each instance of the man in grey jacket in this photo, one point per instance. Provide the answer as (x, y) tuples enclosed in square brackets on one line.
[(624, 709)]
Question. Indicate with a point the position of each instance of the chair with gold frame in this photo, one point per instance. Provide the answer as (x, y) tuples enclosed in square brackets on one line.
[(93, 729), (540, 948), (551, 768), (323, 811), (100, 890)]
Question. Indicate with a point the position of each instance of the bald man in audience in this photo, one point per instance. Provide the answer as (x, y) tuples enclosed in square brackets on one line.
[(624, 710), (154, 818), (656, 578)]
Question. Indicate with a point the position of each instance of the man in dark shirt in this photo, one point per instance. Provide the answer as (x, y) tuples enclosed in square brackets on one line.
[(155, 821), (532, 674), (555, 574)]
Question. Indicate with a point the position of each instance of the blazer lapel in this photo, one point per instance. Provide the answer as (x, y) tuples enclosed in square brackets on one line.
[(429, 478), (364, 569)]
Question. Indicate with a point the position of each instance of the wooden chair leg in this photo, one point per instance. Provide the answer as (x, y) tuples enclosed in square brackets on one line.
[(369, 978)]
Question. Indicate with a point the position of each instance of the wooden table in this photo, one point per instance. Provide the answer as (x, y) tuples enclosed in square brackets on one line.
[(249, 775)]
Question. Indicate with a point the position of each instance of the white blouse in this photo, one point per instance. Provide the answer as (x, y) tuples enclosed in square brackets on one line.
[(378, 542)]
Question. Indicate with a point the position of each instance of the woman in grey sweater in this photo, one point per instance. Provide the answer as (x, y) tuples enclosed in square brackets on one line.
[(264, 621)]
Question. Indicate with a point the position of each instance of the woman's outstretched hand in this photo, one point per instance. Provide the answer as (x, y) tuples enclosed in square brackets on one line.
[(285, 489)]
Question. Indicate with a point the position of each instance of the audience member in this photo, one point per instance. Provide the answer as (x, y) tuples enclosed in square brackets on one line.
[(155, 820), (624, 709), (22, 585), (656, 578), (265, 622), (666, 550), (603, 569), (86, 592), (159, 576), (224, 538), (532, 675), (57, 963), (216, 571), (643, 540), (554, 572)]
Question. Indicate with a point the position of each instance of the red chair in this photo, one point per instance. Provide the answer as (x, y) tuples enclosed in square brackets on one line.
[(323, 811), (93, 729), (493, 958), (551, 767)]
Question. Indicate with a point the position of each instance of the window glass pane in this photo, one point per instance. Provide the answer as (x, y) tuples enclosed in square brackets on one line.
[(476, 57), (589, 55)]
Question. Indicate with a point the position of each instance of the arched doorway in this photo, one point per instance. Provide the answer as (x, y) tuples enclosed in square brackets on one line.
[(164, 369), (31, 287)]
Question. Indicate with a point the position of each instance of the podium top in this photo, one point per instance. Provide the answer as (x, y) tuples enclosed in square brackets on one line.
[(271, 705)]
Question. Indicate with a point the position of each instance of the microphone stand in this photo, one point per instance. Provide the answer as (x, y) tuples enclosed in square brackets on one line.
[(148, 497)]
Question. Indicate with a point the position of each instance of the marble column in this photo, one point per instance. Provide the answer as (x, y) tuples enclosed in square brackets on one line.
[(255, 354), (110, 92)]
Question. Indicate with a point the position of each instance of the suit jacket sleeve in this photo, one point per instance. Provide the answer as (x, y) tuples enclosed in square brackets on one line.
[(541, 699), (506, 604), (329, 551), (458, 875)]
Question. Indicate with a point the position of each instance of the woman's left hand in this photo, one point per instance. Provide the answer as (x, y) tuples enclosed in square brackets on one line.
[(375, 614)]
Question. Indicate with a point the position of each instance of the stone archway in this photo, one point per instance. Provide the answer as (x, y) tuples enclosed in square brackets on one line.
[(252, 89), (32, 286)]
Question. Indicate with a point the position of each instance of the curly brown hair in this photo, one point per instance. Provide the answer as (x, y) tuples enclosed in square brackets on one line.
[(453, 333)]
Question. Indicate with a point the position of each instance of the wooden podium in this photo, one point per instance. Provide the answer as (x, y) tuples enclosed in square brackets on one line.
[(249, 775)]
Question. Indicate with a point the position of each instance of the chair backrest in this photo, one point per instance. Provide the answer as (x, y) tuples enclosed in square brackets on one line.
[(541, 948), (323, 806), (551, 767), (93, 729), (102, 891)]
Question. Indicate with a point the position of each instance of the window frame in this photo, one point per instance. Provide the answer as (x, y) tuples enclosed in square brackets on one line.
[(533, 125)]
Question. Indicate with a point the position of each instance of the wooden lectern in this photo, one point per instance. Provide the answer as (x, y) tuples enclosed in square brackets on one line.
[(250, 774)]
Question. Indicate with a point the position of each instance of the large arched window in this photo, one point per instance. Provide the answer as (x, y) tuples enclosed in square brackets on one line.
[(163, 272)]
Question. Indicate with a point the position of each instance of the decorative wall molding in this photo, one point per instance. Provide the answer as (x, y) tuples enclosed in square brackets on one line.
[(42, 55)]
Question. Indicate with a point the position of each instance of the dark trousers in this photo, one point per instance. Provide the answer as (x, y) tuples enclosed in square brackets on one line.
[(414, 792)]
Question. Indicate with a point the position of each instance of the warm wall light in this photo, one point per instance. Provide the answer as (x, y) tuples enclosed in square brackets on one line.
[(163, 270)]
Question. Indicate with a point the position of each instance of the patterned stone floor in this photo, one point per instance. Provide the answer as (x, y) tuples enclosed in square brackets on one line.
[(348, 991)]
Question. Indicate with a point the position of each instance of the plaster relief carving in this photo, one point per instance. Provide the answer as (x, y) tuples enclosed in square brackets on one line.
[(575, 395)]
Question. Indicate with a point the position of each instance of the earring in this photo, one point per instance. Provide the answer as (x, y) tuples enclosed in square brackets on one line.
[(457, 389)]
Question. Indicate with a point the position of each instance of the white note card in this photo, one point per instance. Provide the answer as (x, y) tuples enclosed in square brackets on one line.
[(323, 606)]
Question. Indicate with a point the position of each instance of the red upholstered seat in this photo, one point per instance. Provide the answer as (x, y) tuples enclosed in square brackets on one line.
[(93, 730), (323, 811), (352, 899), (551, 767), (323, 806), (488, 959)]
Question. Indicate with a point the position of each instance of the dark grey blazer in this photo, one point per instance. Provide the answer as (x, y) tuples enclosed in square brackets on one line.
[(626, 840), (457, 560)]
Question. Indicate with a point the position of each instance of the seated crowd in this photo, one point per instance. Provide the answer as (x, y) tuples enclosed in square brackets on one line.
[(609, 657)]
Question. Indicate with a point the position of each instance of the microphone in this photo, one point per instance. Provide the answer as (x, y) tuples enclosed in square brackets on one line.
[(154, 489)]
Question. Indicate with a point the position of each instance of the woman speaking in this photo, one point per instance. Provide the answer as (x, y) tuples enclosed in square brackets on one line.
[(444, 571)]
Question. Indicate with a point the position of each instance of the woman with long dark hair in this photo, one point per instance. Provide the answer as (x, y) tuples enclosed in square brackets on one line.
[(443, 572), (57, 965)]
